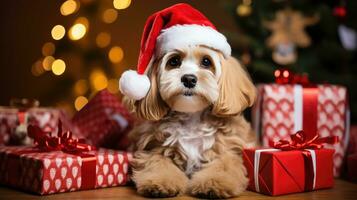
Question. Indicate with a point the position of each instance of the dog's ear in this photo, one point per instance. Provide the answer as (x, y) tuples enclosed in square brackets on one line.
[(151, 107), (236, 90)]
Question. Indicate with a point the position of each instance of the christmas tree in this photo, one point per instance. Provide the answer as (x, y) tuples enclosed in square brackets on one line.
[(313, 37)]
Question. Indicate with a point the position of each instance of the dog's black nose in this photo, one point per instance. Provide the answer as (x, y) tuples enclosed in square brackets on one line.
[(189, 80)]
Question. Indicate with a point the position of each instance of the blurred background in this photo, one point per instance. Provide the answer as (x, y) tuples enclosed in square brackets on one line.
[(62, 52)]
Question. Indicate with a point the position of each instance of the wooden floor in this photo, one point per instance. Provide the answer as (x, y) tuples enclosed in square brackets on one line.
[(342, 190)]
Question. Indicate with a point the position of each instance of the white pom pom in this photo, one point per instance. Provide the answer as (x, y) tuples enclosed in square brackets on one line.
[(134, 85)]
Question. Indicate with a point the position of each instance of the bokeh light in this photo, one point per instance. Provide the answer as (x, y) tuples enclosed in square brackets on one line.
[(98, 80), (58, 67), (48, 49), (82, 20), (103, 39), (58, 32), (47, 63), (116, 54), (81, 87), (121, 4), (80, 102), (109, 16), (37, 69), (77, 31), (69, 7), (113, 86)]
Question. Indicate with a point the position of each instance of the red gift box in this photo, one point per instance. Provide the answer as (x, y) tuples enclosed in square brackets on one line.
[(13, 118), (28, 169), (275, 172), (104, 121), (282, 110), (352, 167)]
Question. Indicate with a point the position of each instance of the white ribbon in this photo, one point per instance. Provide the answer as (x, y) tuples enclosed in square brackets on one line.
[(257, 162), (298, 103), (256, 165)]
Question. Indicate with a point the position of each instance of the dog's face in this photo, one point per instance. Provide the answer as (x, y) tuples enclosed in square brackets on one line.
[(188, 78), (191, 79)]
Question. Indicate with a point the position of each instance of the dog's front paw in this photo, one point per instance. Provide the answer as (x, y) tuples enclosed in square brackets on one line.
[(161, 186), (216, 185)]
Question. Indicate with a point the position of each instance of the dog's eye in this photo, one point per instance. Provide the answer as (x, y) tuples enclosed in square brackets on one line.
[(206, 62), (174, 61)]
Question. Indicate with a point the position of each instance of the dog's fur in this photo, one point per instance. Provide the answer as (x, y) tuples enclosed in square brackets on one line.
[(192, 143)]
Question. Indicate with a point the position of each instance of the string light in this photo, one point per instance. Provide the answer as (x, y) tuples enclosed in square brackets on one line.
[(58, 67), (121, 4), (80, 102), (68, 7), (48, 49), (81, 87), (103, 39), (58, 32), (113, 86), (109, 16), (98, 80), (116, 54), (47, 62)]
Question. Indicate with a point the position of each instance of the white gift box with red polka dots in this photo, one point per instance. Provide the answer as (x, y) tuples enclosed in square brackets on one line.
[(278, 114), (55, 172), (45, 118)]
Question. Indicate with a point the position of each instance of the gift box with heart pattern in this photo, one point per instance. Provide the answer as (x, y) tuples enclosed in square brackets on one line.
[(28, 169)]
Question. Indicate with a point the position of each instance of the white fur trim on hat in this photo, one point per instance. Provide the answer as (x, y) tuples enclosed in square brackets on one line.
[(134, 85), (185, 35)]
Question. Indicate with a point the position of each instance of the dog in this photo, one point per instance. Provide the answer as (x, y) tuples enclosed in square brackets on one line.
[(193, 132)]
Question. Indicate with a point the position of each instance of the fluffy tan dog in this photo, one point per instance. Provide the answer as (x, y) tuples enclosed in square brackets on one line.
[(190, 93), (195, 131)]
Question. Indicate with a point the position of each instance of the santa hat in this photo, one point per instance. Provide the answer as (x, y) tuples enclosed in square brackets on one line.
[(174, 27)]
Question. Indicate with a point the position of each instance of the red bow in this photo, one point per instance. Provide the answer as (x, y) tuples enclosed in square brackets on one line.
[(63, 142), (299, 141), (285, 76)]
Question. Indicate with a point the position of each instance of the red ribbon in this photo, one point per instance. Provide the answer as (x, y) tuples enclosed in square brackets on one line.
[(300, 141), (64, 142), (285, 76)]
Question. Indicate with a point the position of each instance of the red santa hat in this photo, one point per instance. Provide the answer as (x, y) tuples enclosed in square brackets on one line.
[(177, 26)]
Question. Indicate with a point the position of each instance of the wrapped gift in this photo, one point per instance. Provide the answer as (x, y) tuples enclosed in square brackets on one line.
[(352, 145), (352, 167), (290, 167), (283, 109), (14, 121), (61, 164), (104, 121)]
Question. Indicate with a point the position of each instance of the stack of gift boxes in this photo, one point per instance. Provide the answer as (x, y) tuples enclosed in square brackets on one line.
[(304, 133), (68, 156)]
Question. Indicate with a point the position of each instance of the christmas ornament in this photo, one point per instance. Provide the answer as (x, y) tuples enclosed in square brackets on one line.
[(287, 34), (169, 29), (348, 37), (340, 12), (244, 9)]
